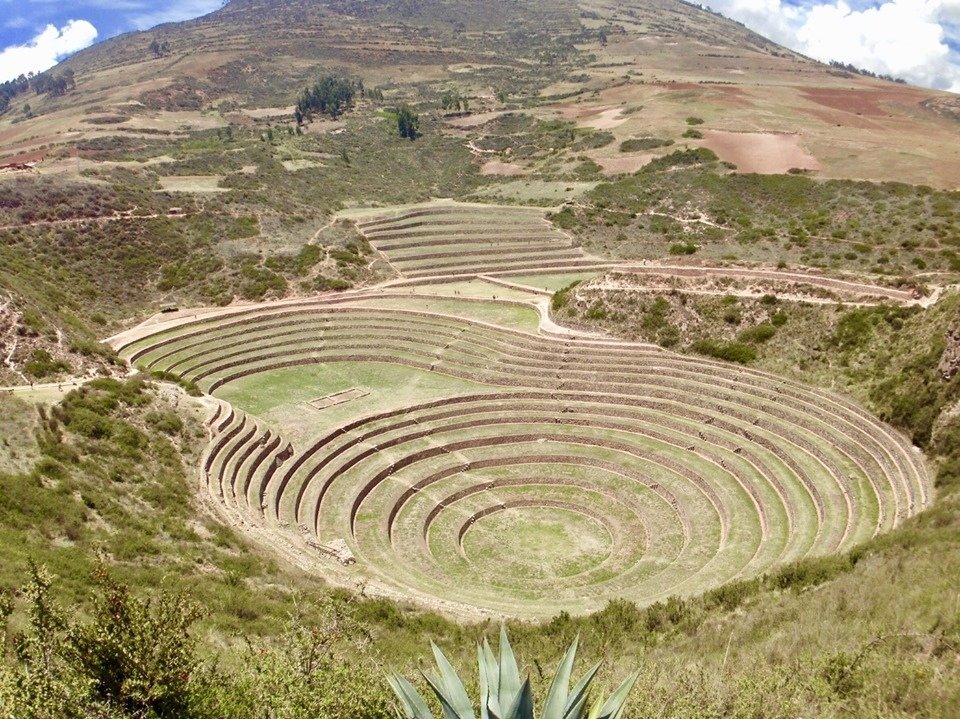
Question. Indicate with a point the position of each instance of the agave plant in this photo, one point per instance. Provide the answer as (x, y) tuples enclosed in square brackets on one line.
[(503, 695)]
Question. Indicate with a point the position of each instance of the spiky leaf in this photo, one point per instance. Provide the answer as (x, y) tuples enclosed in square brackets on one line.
[(412, 703), (560, 686), (509, 672), (522, 707), (489, 681), (614, 706), (577, 699), (449, 689)]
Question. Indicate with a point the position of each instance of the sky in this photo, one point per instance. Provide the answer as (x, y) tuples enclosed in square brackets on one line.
[(917, 40)]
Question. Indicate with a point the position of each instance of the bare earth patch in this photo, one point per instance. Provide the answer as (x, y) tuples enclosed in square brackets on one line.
[(301, 164), (495, 167), (192, 183), (766, 153), (623, 165), (598, 118)]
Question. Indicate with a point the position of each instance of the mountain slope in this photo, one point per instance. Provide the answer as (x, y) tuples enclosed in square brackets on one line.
[(671, 58)]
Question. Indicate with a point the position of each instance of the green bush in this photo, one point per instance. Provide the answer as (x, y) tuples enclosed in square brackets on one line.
[(347, 257), (683, 248), (133, 658), (561, 297), (639, 144), (326, 284), (165, 421), (728, 351), (680, 158), (191, 388), (757, 334), (41, 364), (810, 572)]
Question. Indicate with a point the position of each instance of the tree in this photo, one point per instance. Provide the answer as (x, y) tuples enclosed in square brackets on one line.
[(133, 658), (330, 96), (449, 100), (408, 123), (159, 49)]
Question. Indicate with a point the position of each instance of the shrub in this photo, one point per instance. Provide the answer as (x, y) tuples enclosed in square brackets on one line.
[(683, 248), (694, 121), (597, 311), (191, 388), (757, 334), (326, 284), (347, 257), (680, 158), (728, 351), (165, 421), (42, 364), (692, 134), (133, 658), (732, 316), (638, 144), (731, 595), (562, 296), (810, 572)]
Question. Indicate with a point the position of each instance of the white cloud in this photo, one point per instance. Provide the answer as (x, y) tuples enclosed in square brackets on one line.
[(904, 38), (46, 49)]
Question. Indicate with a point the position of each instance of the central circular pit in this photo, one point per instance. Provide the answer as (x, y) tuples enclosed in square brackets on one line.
[(546, 475), (536, 546)]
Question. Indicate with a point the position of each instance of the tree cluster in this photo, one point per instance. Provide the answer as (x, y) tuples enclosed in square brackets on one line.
[(408, 123), (10, 89), (451, 100), (48, 83), (860, 71), (159, 49), (331, 96)]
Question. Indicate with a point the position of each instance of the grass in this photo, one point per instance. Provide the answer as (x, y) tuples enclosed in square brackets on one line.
[(868, 633), (274, 395), (111, 472), (551, 282), (515, 316), (785, 499)]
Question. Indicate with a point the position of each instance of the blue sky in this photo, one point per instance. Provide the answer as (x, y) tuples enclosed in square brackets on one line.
[(25, 19), (918, 40), (36, 33)]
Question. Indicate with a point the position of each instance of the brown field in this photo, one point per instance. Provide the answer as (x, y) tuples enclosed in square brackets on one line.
[(762, 152)]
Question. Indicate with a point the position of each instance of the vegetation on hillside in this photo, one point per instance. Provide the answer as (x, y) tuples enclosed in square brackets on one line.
[(688, 197), (123, 596), (331, 96), (888, 357)]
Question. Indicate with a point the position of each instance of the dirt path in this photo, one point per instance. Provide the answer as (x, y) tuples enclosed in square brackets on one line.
[(101, 219), (164, 321)]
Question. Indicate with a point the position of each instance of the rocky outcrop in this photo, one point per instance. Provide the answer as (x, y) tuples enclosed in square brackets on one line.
[(950, 361)]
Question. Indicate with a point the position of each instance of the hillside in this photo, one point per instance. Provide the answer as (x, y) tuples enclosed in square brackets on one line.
[(329, 328), (594, 63)]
